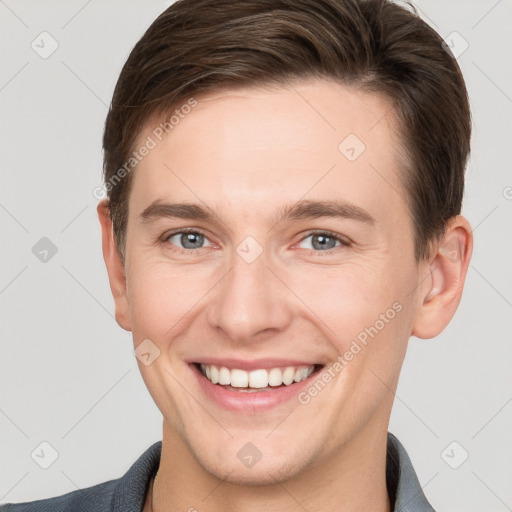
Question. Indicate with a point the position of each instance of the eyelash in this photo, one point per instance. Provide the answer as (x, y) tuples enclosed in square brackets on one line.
[(165, 240), (329, 234)]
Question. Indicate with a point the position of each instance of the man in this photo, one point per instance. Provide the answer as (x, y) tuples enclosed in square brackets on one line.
[(284, 186)]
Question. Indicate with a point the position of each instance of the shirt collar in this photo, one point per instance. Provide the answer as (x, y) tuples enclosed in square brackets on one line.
[(405, 492), (404, 489)]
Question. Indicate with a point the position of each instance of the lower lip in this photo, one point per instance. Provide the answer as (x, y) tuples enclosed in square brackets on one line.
[(258, 401)]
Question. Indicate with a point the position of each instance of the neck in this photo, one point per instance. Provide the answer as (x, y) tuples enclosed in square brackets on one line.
[(353, 479)]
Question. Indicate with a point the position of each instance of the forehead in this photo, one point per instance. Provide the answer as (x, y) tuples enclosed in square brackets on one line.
[(238, 149)]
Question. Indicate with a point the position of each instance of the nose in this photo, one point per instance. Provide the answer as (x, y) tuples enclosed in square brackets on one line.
[(249, 301)]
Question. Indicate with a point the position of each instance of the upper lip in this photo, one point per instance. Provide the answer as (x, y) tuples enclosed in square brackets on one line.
[(253, 364)]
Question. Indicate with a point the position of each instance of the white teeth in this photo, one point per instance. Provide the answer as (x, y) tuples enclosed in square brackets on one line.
[(256, 379), (275, 377), (214, 374), (288, 375), (224, 376), (239, 378)]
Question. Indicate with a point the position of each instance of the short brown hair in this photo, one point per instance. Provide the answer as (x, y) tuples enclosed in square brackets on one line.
[(376, 46)]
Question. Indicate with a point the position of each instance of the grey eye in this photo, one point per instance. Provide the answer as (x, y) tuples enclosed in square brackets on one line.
[(188, 240), (321, 242)]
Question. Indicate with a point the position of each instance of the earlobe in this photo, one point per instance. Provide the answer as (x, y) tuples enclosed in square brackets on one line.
[(442, 290), (115, 267)]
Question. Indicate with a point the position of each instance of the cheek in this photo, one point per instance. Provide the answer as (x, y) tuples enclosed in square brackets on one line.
[(161, 296), (363, 312), (346, 299)]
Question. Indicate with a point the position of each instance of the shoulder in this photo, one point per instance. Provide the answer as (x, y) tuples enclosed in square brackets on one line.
[(98, 497), (126, 494)]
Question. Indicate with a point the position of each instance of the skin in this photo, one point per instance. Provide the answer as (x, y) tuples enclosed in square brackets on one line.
[(246, 153)]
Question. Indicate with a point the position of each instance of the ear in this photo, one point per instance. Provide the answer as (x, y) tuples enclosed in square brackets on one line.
[(115, 266), (441, 292)]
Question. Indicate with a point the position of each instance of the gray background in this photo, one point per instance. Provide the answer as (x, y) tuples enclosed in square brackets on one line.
[(68, 373)]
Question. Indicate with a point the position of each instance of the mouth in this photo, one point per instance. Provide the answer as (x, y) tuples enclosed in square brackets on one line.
[(253, 389), (261, 379)]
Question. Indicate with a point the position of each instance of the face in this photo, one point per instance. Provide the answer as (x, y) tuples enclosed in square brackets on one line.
[(268, 240)]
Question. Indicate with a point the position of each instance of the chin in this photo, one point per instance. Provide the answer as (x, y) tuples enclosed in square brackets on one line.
[(235, 466), (261, 474)]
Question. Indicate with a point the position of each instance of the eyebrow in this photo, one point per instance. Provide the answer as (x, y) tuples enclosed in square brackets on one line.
[(303, 209), (306, 209)]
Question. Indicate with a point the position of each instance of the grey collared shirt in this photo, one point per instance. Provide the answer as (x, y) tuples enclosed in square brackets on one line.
[(128, 493), (404, 490)]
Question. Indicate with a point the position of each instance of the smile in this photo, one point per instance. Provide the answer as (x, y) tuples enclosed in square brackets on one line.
[(256, 380), (261, 386)]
